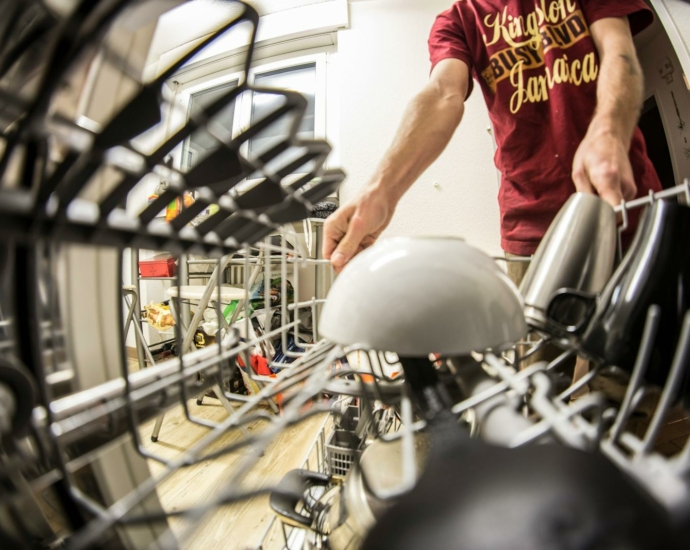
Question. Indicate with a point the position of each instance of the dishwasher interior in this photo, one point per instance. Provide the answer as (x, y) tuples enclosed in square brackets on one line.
[(434, 426)]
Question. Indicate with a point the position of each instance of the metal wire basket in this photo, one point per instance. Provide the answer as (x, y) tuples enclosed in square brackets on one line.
[(342, 450)]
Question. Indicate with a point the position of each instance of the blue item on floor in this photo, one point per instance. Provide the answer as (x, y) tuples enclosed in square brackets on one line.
[(280, 357)]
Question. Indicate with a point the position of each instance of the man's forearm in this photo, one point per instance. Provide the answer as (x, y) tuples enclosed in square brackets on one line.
[(428, 125), (602, 163), (620, 90)]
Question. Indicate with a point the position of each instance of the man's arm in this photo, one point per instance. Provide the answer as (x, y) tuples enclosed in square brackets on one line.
[(602, 162), (428, 125)]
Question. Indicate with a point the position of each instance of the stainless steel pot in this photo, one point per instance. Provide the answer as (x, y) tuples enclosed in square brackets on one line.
[(654, 272), (577, 252), (351, 510)]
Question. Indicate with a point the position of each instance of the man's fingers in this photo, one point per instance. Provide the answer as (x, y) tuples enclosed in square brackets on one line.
[(612, 196), (349, 244), (608, 185), (333, 231), (602, 166), (329, 245), (330, 242), (339, 268), (628, 187), (581, 180)]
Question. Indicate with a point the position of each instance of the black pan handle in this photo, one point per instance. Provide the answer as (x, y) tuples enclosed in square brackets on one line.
[(290, 493), (435, 404), (570, 311), (22, 387)]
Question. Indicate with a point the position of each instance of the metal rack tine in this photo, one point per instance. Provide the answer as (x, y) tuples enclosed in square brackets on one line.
[(623, 227), (136, 322), (581, 383), (678, 370), (643, 356), (682, 464), (682, 189)]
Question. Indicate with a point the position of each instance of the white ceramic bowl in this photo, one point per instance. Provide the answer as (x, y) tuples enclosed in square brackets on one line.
[(415, 296)]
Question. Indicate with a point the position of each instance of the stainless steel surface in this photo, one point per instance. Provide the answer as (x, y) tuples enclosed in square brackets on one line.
[(351, 513), (7, 409), (577, 252)]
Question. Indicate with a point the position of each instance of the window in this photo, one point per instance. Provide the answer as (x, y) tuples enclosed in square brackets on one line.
[(305, 75), (200, 144), (299, 79)]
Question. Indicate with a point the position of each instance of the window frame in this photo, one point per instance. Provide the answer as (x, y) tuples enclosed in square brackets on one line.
[(235, 118), (243, 107)]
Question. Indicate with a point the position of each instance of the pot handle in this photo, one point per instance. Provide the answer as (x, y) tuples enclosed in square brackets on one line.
[(570, 311), (290, 493)]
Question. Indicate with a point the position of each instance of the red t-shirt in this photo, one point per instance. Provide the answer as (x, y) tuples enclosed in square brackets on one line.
[(537, 65)]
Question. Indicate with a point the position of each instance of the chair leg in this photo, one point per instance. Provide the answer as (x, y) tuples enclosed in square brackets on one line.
[(157, 428)]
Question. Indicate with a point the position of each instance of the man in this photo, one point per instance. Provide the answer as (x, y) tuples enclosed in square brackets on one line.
[(564, 89)]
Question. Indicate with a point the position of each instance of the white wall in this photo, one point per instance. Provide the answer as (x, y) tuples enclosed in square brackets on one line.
[(675, 16), (383, 61), (653, 55)]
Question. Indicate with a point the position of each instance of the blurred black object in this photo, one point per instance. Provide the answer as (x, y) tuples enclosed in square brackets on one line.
[(531, 498), (323, 210), (656, 271)]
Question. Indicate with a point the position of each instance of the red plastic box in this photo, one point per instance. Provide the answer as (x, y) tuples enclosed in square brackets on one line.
[(161, 267)]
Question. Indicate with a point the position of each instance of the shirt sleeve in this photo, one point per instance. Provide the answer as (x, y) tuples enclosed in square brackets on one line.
[(447, 41), (638, 13)]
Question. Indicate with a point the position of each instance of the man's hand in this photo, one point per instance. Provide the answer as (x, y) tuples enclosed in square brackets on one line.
[(602, 161), (602, 164), (356, 226)]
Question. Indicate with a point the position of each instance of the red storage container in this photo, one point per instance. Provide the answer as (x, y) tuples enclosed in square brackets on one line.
[(161, 267)]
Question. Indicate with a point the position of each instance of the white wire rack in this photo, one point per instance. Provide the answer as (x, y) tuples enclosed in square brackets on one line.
[(74, 425)]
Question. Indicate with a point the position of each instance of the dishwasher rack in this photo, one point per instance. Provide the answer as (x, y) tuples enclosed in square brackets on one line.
[(513, 405), (70, 405), (496, 396), (71, 410)]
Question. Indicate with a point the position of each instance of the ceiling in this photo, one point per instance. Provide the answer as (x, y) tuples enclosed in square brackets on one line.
[(192, 20), (265, 7)]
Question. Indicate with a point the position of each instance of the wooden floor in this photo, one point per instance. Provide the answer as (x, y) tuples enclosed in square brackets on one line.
[(239, 526)]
